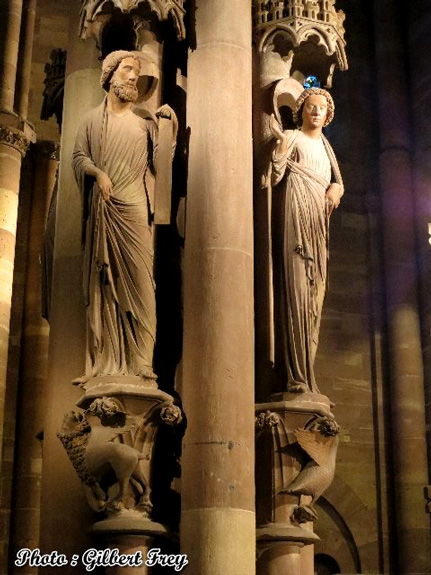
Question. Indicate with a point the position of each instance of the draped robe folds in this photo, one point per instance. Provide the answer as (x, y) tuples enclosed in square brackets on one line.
[(300, 179), (118, 279)]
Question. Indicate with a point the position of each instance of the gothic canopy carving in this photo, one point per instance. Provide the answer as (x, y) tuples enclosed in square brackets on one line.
[(305, 33), (92, 10)]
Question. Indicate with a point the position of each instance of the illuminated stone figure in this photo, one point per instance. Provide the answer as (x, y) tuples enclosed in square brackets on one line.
[(307, 187), (114, 151)]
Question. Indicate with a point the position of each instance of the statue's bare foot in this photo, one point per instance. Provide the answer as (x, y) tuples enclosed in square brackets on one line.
[(145, 506), (114, 506), (297, 388), (147, 373), (80, 381)]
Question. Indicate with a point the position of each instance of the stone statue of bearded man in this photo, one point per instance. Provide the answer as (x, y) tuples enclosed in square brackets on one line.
[(114, 152)]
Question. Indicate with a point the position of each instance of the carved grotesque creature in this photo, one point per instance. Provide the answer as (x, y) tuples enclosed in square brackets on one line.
[(100, 463), (320, 443)]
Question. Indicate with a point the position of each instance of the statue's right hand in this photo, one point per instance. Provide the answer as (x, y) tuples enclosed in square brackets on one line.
[(279, 135), (105, 185), (275, 128)]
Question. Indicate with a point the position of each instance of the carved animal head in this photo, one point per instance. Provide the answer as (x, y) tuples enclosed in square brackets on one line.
[(71, 420)]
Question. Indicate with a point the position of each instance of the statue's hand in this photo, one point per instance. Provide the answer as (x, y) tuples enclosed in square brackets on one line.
[(333, 197), (167, 112), (105, 185), (279, 135), (275, 128)]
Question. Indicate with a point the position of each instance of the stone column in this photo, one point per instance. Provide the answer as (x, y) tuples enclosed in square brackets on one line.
[(420, 75), (15, 136), (25, 57), (281, 558), (9, 182), (61, 489), (218, 520), (12, 148), (9, 41), (404, 344), (34, 359)]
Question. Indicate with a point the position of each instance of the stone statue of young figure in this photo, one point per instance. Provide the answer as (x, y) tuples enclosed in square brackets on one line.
[(307, 187), (114, 151)]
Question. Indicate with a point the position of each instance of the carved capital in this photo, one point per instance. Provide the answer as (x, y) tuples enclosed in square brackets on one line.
[(111, 440), (14, 138)]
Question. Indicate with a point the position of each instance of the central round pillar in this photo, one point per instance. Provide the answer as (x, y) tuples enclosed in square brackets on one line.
[(218, 521)]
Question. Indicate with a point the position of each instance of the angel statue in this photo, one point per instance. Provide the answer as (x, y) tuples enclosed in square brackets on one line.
[(307, 187)]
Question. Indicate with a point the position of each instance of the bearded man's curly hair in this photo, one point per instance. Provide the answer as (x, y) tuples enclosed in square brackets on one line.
[(111, 63)]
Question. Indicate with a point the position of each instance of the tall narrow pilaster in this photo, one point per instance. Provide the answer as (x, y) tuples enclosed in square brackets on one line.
[(61, 490), (406, 371), (218, 521)]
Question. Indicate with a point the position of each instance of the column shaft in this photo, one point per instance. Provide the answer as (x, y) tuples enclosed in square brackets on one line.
[(218, 523), (10, 171), (420, 75), (10, 25), (406, 369), (34, 359), (25, 57)]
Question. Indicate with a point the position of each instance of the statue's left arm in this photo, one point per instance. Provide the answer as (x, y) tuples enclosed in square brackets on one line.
[(167, 113), (163, 156), (335, 190)]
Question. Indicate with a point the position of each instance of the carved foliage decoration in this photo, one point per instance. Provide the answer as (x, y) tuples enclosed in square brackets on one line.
[(14, 138)]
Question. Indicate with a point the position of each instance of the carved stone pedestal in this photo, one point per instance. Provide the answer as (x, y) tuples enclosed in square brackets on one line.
[(111, 444), (296, 447)]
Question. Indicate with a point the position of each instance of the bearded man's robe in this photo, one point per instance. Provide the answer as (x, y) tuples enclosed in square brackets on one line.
[(118, 242)]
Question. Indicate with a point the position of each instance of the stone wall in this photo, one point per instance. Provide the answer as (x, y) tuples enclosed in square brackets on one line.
[(349, 365)]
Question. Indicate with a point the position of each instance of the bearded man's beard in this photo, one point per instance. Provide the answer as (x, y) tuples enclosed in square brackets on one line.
[(125, 92)]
